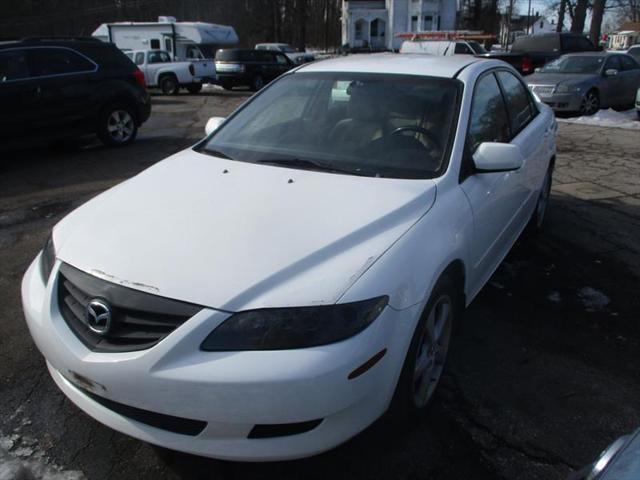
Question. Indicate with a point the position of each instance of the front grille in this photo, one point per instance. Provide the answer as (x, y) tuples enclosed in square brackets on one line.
[(543, 89), (139, 320)]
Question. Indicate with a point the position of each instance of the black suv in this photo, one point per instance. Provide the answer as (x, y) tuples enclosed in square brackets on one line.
[(253, 68), (57, 88)]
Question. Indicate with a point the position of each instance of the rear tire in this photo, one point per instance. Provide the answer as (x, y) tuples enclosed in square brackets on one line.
[(425, 361), (194, 88), (169, 85), (227, 86), (117, 125), (257, 83)]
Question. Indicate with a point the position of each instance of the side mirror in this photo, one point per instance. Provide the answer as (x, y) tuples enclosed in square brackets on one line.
[(212, 124), (610, 72), (497, 157)]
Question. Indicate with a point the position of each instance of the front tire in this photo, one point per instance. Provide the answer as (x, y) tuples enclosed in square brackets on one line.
[(427, 354), (169, 85), (536, 223), (117, 125), (257, 83), (590, 103)]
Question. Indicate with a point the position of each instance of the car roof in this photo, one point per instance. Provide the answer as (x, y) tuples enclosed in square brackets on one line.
[(405, 63)]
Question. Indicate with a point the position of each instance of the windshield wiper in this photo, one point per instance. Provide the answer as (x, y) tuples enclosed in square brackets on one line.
[(215, 153), (309, 165)]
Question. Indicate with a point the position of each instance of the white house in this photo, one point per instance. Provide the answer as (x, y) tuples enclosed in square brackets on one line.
[(375, 23)]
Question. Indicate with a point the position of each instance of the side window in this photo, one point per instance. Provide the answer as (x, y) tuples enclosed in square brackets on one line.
[(282, 60), (462, 48), (613, 63), (13, 65), (628, 63), (517, 100), (56, 61), (139, 58), (155, 44), (488, 122), (159, 57)]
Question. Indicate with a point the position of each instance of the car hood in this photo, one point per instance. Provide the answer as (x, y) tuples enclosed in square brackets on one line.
[(235, 236), (558, 78)]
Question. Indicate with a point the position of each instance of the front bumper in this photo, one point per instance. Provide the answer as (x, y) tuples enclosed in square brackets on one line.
[(231, 391), (563, 102)]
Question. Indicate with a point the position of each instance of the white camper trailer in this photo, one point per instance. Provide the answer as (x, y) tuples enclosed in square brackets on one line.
[(183, 40)]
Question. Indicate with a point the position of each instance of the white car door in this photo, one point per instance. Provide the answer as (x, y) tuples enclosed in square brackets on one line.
[(497, 198), (532, 132)]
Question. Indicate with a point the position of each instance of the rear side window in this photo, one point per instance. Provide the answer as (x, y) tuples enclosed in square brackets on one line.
[(140, 58), (57, 61), (489, 121), (462, 48), (613, 62), (518, 104), (576, 43), (282, 60), (628, 63), (159, 57), (13, 65), (536, 43)]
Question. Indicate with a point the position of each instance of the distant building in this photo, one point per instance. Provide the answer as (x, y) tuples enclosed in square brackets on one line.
[(524, 25), (374, 24)]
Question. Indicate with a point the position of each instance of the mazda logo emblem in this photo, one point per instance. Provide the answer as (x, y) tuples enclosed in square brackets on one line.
[(99, 316)]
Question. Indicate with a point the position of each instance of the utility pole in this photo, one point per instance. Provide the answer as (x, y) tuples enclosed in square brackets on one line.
[(529, 19), (509, 15)]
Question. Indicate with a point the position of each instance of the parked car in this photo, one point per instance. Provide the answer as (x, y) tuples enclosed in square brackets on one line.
[(169, 76), (635, 52), (529, 52), (619, 461), (295, 56), (252, 68), (586, 82), (273, 290), (638, 103), (56, 88), (442, 47)]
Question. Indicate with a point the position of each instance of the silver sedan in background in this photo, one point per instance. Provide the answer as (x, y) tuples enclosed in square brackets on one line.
[(585, 82)]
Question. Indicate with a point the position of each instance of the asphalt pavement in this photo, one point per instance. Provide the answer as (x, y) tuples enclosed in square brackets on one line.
[(542, 376)]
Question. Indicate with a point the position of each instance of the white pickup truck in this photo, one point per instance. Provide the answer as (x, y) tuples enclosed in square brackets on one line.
[(162, 72)]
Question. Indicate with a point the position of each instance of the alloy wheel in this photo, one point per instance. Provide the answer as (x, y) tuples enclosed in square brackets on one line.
[(432, 350), (590, 104), (120, 126)]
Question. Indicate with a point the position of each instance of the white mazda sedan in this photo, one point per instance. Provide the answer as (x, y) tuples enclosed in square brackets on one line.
[(270, 292)]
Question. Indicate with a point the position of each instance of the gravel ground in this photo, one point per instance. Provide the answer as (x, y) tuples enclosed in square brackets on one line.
[(542, 376)]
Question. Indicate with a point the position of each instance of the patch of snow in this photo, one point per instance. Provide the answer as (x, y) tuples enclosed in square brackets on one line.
[(608, 118), (554, 297), (19, 461), (592, 299)]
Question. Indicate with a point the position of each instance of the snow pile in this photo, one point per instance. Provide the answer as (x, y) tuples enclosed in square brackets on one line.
[(21, 459), (608, 118)]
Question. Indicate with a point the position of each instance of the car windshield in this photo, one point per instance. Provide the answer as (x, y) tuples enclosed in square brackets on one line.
[(476, 47), (576, 64), (377, 125)]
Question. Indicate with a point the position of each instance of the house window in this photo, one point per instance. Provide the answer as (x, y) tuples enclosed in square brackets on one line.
[(359, 29), (155, 44), (428, 23), (414, 23)]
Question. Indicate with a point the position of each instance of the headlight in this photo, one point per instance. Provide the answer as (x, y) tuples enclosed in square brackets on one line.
[(567, 89), (47, 259), (298, 327)]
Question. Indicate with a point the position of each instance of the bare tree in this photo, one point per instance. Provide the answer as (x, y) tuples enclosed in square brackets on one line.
[(579, 16), (596, 20)]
